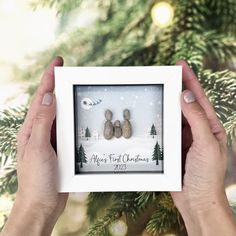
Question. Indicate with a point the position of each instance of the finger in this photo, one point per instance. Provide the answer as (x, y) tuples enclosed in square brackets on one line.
[(43, 120), (197, 119), (191, 82), (46, 86), (47, 82), (22, 139)]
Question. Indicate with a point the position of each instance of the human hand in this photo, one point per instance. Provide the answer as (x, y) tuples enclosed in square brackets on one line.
[(37, 196), (205, 155)]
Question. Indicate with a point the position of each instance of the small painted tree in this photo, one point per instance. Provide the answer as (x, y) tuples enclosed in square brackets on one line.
[(157, 154), (153, 131), (87, 133), (81, 156)]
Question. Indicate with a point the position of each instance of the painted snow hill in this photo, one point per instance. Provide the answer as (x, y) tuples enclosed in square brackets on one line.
[(137, 154)]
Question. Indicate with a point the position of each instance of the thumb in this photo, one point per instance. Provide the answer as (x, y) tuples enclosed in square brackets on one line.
[(42, 124), (196, 118)]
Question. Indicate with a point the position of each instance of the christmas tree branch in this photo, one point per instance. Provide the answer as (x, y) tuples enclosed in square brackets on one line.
[(123, 204), (220, 87), (165, 218), (62, 6), (220, 47), (96, 204), (10, 122)]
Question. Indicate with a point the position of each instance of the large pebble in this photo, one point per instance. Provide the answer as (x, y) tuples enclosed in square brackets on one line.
[(126, 129), (108, 130)]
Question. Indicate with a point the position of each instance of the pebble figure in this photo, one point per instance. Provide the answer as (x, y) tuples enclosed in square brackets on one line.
[(108, 127), (126, 127), (117, 129)]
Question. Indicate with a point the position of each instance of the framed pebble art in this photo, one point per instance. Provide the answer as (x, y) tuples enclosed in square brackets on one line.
[(118, 128)]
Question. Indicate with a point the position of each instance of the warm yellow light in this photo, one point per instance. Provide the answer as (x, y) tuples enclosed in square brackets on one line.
[(162, 14)]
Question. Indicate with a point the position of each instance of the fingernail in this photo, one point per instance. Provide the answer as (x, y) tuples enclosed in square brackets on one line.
[(189, 97), (47, 99)]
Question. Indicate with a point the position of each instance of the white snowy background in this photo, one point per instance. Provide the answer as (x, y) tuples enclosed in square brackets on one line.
[(145, 104)]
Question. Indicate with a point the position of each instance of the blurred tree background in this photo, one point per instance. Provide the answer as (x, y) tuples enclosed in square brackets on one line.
[(133, 33)]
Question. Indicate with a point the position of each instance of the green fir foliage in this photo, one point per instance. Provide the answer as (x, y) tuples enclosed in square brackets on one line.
[(10, 122)]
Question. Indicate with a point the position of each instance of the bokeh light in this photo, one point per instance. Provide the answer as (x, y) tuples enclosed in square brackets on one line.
[(162, 14), (118, 228), (231, 193), (23, 30)]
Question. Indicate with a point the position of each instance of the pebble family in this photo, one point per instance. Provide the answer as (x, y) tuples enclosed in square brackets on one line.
[(116, 130)]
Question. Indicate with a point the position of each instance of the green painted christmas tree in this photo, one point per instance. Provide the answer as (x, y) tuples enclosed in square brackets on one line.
[(157, 154), (81, 156), (153, 130), (87, 133)]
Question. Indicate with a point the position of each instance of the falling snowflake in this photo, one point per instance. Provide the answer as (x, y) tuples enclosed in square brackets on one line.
[(105, 90), (136, 97), (150, 103), (145, 89), (122, 98)]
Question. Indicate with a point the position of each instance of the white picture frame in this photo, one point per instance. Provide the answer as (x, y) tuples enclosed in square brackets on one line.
[(66, 78)]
